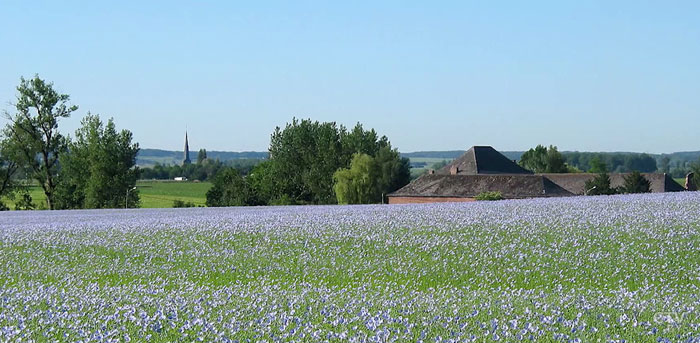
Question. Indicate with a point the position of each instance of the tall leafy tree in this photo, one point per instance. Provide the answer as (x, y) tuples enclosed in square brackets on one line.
[(598, 166), (369, 179), (201, 156), (33, 131), (8, 168), (359, 183), (230, 189), (544, 160), (100, 170)]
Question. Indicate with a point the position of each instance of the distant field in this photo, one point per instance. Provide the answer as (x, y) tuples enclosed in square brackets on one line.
[(161, 194), (154, 194)]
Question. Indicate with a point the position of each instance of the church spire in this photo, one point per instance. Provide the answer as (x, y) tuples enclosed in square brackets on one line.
[(187, 151)]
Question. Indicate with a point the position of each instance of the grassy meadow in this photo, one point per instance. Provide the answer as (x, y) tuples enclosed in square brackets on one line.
[(154, 194)]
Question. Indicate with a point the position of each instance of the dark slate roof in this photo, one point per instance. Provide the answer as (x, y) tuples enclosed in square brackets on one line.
[(468, 186), (483, 160), (574, 183)]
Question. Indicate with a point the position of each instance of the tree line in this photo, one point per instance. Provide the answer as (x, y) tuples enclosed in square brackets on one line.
[(96, 169), (315, 162), (205, 169), (543, 159)]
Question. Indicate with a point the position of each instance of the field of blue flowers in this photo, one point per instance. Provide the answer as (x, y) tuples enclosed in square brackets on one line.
[(584, 269)]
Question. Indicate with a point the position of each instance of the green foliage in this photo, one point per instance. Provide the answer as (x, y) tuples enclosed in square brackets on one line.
[(359, 183), (25, 202), (3, 207), (33, 132), (615, 162), (100, 169), (177, 203), (635, 182), (201, 156), (204, 171), (543, 160), (8, 168), (598, 166), (305, 155), (369, 179), (439, 165), (489, 196), (599, 185), (231, 189)]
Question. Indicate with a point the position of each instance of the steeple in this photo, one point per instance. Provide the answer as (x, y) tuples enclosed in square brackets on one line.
[(187, 151)]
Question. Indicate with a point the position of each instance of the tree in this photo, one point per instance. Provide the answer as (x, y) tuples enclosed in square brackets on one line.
[(599, 185), (359, 183), (100, 168), (230, 189), (639, 162), (201, 156), (8, 168), (636, 183), (369, 179), (305, 155), (33, 131), (543, 160), (598, 166), (394, 171)]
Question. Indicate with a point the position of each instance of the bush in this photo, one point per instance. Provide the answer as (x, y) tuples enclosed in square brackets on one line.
[(599, 185), (636, 183), (3, 207), (179, 204), (489, 196), (25, 203)]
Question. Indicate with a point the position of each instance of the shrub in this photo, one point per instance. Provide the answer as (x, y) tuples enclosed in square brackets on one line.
[(599, 185), (179, 204), (489, 196), (25, 203), (636, 183)]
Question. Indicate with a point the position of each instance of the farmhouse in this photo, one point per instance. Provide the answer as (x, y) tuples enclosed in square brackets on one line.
[(483, 169)]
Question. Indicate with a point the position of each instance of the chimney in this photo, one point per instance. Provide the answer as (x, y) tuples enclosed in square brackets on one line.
[(454, 170)]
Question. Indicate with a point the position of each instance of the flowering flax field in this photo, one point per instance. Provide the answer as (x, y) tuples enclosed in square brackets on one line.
[(582, 269)]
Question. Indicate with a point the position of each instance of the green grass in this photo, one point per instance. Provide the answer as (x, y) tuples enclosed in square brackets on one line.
[(154, 194), (161, 194)]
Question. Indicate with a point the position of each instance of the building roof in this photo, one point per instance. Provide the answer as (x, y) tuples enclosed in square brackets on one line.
[(483, 169), (468, 186), (482, 160)]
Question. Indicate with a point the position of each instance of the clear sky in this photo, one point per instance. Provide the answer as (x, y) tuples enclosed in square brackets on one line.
[(582, 75)]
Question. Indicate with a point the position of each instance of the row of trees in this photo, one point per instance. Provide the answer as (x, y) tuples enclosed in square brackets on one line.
[(96, 170), (205, 169), (316, 163), (549, 160), (615, 162)]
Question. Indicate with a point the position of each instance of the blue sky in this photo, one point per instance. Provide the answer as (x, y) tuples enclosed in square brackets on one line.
[(588, 76)]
